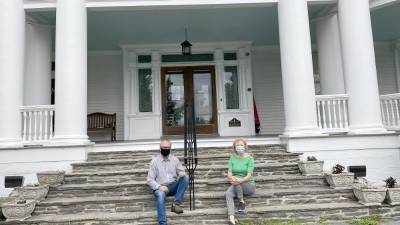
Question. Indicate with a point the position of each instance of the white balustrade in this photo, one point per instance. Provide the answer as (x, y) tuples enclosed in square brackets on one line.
[(37, 123), (332, 113), (390, 111)]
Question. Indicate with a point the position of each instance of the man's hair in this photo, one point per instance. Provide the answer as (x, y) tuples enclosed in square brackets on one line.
[(164, 139)]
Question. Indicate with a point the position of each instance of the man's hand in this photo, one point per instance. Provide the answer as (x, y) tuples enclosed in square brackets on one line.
[(181, 174), (163, 188)]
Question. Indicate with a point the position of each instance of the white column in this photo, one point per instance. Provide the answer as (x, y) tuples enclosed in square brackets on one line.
[(359, 66), (12, 41), (38, 50), (297, 68), (71, 72), (330, 56)]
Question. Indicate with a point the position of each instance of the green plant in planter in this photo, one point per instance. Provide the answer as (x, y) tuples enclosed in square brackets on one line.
[(390, 182), (337, 169), (312, 158)]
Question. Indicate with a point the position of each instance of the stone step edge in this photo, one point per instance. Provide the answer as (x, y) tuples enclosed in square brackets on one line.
[(209, 195), (211, 156), (198, 181), (200, 167), (201, 212), (256, 147)]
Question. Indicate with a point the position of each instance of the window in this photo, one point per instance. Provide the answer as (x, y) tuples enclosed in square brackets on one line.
[(13, 181), (231, 84), (187, 58), (228, 56), (145, 90)]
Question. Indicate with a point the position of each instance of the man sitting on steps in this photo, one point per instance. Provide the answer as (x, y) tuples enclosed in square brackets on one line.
[(167, 177)]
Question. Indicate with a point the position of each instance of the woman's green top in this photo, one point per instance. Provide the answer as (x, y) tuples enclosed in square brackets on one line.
[(240, 167)]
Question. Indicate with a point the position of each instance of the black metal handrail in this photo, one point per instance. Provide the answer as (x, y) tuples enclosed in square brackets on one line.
[(190, 150)]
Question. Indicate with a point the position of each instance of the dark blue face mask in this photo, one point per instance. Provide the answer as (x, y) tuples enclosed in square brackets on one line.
[(165, 151)]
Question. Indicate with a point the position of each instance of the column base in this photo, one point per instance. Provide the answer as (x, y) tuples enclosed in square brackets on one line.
[(302, 132), (70, 140), (11, 143), (368, 129)]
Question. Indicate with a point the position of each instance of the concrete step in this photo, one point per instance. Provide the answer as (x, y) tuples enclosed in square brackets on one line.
[(117, 171), (255, 149), (306, 213), (146, 202), (139, 187)]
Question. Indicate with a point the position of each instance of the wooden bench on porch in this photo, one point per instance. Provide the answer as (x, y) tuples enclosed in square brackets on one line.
[(102, 122)]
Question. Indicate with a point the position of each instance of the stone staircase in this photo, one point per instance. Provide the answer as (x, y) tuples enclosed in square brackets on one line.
[(110, 188)]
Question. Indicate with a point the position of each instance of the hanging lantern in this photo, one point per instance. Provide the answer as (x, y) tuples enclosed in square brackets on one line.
[(186, 45)]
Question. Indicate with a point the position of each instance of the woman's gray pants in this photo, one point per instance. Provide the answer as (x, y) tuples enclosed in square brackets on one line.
[(238, 191)]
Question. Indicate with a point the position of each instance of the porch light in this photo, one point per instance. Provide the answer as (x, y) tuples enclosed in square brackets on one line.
[(186, 45)]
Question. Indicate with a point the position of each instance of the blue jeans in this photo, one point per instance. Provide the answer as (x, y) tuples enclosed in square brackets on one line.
[(177, 189)]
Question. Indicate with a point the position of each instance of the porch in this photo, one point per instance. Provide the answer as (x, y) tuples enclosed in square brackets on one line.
[(122, 52)]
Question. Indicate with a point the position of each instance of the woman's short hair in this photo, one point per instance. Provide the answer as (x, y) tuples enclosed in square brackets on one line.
[(237, 140)]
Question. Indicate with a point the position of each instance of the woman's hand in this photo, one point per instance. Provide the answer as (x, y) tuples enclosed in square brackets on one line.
[(235, 181)]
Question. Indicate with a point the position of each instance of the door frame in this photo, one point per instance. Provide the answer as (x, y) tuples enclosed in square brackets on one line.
[(188, 94)]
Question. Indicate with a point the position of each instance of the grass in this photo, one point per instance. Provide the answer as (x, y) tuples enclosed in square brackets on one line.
[(271, 222), (371, 220)]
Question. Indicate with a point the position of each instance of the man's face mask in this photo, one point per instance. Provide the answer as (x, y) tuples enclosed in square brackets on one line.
[(165, 151)]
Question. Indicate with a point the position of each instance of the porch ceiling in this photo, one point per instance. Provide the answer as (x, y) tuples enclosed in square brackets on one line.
[(385, 23), (109, 29)]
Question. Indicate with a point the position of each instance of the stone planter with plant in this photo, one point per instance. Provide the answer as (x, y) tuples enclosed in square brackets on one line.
[(340, 179), (18, 210), (369, 195), (51, 178), (311, 167), (32, 192), (393, 191)]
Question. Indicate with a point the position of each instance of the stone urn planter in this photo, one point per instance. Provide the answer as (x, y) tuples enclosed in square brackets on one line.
[(393, 192), (311, 167), (4, 200), (369, 196), (51, 178), (18, 210), (37, 193), (341, 180), (393, 196)]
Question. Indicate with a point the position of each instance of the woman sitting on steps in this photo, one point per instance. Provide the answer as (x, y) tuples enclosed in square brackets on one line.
[(240, 175)]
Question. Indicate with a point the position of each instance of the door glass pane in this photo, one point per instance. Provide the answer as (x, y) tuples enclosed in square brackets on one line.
[(231, 87), (145, 90), (174, 86), (202, 90)]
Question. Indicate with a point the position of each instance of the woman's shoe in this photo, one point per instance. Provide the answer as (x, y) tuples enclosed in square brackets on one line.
[(241, 207), (230, 223)]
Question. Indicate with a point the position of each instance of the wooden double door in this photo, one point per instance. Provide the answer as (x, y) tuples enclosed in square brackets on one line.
[(180, 84)]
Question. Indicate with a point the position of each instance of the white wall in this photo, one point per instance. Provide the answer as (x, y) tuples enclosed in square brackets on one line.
[(386, 69), (105, 89)]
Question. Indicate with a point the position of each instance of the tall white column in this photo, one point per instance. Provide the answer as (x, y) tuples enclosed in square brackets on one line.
[(297, 68), (12, 41), (359, 66), (71, 72), (37, 88), (330, 56)]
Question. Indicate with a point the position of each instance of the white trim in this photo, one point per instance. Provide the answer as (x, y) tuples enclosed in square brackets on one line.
[(377, 4)]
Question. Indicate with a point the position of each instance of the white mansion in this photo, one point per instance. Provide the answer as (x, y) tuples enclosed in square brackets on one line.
[(323, 74)]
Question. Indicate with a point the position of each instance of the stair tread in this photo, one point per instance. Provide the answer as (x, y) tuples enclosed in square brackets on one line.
[(199, 212), (200, 167), (206, 181), (259, 193)]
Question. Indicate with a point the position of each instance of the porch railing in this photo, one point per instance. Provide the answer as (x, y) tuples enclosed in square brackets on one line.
[(37, 123), (332, 113), (390, 111)]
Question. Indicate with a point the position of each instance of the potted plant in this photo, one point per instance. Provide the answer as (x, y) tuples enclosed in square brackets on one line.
[(2, 201), (32, 192), (339, 179), (369, 195), (312, 166), (18, 210), (51, 178), (393, 191)]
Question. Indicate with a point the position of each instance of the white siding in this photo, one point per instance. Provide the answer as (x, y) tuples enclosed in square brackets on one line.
[(386, 70), (105, 89), (267, 84)]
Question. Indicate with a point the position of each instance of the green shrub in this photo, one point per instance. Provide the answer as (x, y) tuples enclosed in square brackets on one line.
[(371, 220)]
